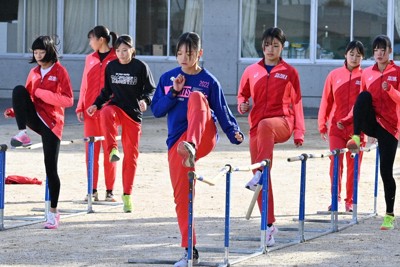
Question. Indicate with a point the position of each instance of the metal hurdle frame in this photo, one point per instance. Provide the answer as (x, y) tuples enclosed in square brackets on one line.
[(3, 149), (303, 158), (90, 140), (334, 204), (227, 171)]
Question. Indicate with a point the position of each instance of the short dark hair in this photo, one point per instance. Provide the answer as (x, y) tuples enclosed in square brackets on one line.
[(271, 33), (381, 41), (189, 39), (355, 44), (125, 39), (48, 44)]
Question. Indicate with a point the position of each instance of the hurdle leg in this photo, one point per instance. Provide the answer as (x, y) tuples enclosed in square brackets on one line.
[(190, 228), (334, 204), (355, 188), (264, 211), (3, 149), (376, 180), (302, 198), (90, 175), (227, 215), (46, 199)]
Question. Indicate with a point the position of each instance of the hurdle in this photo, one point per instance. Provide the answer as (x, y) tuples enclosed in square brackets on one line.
[(334, 221), (226, 171), (263, 187), (29, 220)]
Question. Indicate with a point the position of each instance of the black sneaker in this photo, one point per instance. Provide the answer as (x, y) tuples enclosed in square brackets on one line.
[(110, 197)]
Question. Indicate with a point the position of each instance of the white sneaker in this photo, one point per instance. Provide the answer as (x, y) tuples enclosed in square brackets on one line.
[(271, 231), (188, 154), (183, 262), (252, 184)]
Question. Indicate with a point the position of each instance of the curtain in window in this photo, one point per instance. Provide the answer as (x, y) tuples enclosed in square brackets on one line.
[(41, 17), (193, 16), (78, 21), (114, 15), (249, 28)]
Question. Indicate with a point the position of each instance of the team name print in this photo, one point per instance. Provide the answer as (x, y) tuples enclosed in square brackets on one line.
[(52, 78), (392, 79), (280, 76), (123, 78), (358, 82)]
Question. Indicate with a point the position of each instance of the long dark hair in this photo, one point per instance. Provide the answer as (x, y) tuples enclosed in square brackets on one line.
[(355, 44), (102, 31), (125, 39), (381, 41)]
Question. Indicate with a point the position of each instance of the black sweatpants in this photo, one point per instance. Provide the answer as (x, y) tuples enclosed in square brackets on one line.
[(26, 115), (365, 121)]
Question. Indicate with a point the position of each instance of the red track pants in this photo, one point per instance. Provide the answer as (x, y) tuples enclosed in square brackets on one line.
[(202, 132), (336, 142), (111, 118), (269, 132)]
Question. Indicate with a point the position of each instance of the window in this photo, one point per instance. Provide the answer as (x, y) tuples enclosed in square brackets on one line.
[(152, 35), (152, 24), (9, 26), (80, 17), (370, 20), (293, 18), (333, 34), (20, 31)]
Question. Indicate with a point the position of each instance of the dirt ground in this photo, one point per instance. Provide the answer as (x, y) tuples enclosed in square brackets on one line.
[(109, 237)]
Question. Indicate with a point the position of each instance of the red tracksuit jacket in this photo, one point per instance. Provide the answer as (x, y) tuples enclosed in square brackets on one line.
[(276, 94), (386, 104), (340, 93), (93, 79), (51, 95)]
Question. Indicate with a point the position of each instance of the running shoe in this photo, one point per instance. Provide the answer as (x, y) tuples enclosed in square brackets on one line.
[(271, 231), (95, 196), (354, 144), (183, 262), (21, 139), (114, 155), (348, 207), (110, 197), (389, 222), (187, 151), (252, 184), (53, 220), (127, 199)]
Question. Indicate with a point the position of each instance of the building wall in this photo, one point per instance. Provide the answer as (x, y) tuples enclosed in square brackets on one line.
[(221, 57)]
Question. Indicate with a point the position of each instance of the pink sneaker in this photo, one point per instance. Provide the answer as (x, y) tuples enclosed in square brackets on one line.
[(188, 153), (53, 220), (21, 139)]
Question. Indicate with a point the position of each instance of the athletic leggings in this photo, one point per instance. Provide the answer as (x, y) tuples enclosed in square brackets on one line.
[(26, 115), (365, 121)]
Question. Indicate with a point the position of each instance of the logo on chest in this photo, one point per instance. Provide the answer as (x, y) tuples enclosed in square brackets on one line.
[(280, 76)]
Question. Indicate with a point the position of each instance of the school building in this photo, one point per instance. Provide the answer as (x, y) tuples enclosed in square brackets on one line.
[(317, 32)]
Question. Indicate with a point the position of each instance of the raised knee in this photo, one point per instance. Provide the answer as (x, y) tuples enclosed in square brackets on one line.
[(18, 90)]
